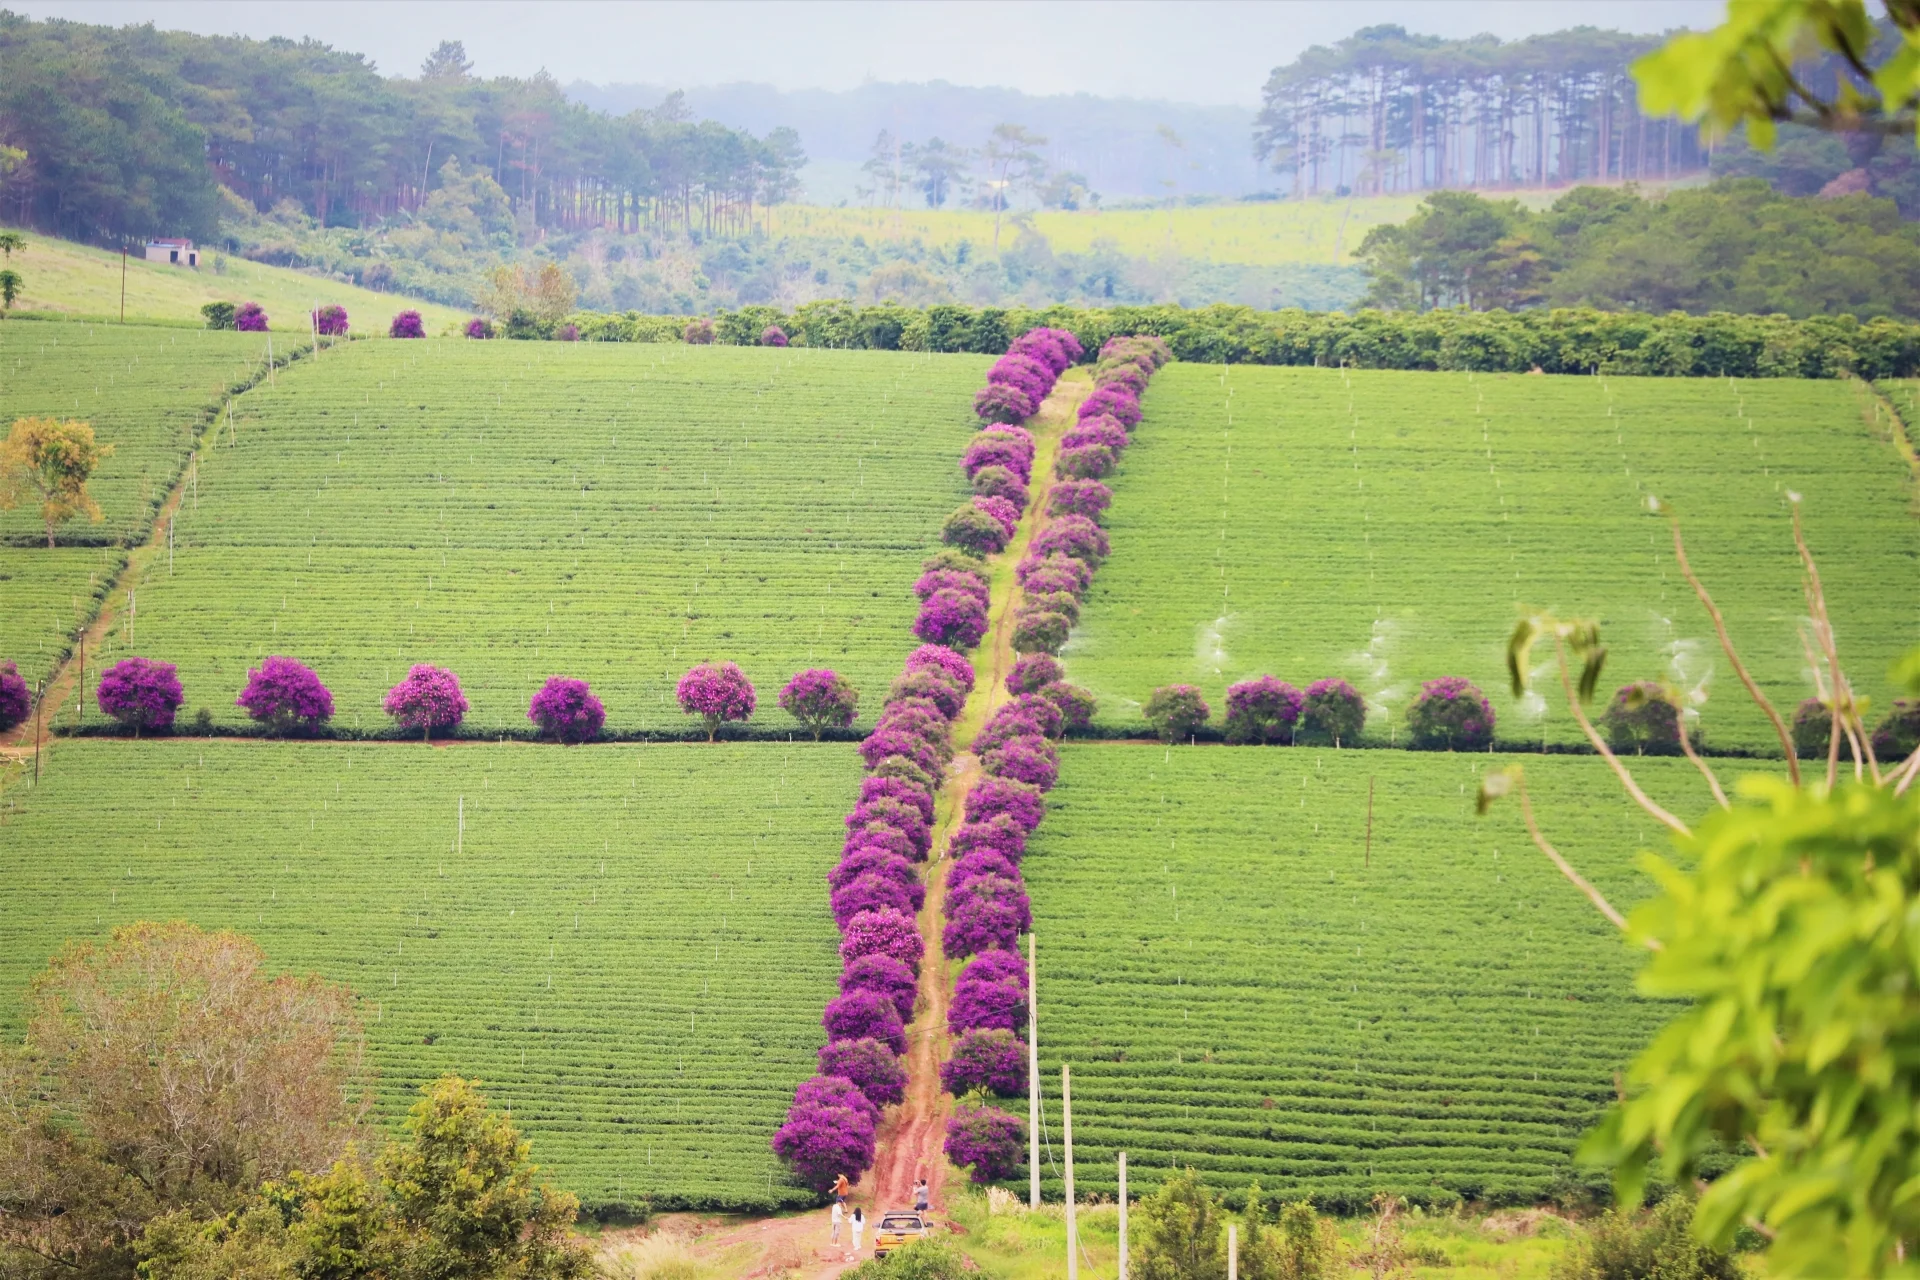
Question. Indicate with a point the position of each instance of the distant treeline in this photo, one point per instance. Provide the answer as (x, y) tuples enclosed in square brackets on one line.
[(131, 131), (1559, 341)]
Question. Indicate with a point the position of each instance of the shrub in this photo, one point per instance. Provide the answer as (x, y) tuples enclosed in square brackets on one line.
[(1126, 376), (820, 699), (997, 451), (567, 333), (1022, 764), (991, 1002), (969, 581), (1182, 1231), (1452, 715), (218, 315), (1040, 632), (1079, 498), (879, 836), (567, 711), (1033, 673), (870, 1066), (1641, 718), (140, 694), (921, 798), (870, 859), (897, 814), (887, 976), (286, 696), (986, 1138), (1176, 710), (828, 1132), (925, 1258), (718, 693), (16, 703), (1076, 705), (951, 618), (1262, 710), (1004, 728), (881, 744), (977, 863), (990, 912), (1898, 733), (407, 325), (992, 797), (999, 834), (330, 321), (885, 933), (1333, 711), (1021, 439), (1104, 432), (919, 717), (952, 558), (250, 317), (904, 769), (933, 685), (1045, 574), (1622, 1245), (860, 1015), (998, 482), (773, 336), (1001, 510), (1001, 402), (1022, 370), (1153, 351), (1074, 536), (870, 892), (973, 529), (699, 332), (942, 659), (1812, 730), (990, 1058), (1032, 706), (1113, 402), (428, 700), (1084, 462), (479, 329)]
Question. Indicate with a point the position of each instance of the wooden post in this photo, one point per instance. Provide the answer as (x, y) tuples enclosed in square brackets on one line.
[(1123, 1215), (39, 705), (123, 284), (1066, 1141), (1033, 1078), (1369, 855), (1233, 1252)]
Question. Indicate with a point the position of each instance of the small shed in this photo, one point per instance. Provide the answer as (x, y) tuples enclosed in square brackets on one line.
[(176, 252)]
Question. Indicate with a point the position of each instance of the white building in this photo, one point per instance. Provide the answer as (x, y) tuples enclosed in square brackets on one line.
[(175, 252)]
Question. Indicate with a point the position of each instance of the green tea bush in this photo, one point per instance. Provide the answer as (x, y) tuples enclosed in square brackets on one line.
[(1626, 1246)]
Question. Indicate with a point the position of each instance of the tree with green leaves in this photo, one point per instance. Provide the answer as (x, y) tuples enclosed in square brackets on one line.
[(1786, 927), (54, 460), (1013, 158), (1183, 1234)]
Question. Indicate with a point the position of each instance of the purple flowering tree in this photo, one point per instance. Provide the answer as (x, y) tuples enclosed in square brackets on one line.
[(1450, 714), (989, 1058), (998, 450), (988, 1139), (989, 912), (1333, 711), (1812, 729), (1002, 402), (998, 482), (141, 694), (921, 718), (1025, 372), (428, 700), (1046, 574), (1643, 718), (773, 336), (250, 317), (330, 321), (1000, 1006), (974, 531), (978, 863), (860, 1015), (897, 814), (1075, 705), (1103, 430), (1263, 710), (939, 658), (1040, 631), (967, 581), (567, 333), (871, 859), (16, 703), (718, 692), (1020, 761), (881, 836), (567, 711), (931, 685), (951, 618), (407, 324), (1079, 498), (1005, 728), (699, 333), (820, 699), (886, 976), (1001, 510), (828, 1132), (899, 789), (881, 744), (1031, 706), (1033, 672), (1176, 711), (999, 834), (870, 1066), (286, 696), (904, 769), (1084, 462), (1114, 402), (886, 933), (992, 797), (479, 328), (1074, 536)]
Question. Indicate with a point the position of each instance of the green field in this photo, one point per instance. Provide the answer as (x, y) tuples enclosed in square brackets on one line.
[(75, 280), (520, 510), (1238, 990), (632, 966), (1387, 527)]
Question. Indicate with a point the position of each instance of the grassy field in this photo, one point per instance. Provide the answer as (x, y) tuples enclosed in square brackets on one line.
[(1241, 986), (521, 510), (636, 968), (1387, 527), (77, 280)]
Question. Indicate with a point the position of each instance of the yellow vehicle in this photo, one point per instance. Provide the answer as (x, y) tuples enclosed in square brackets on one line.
[(897, 1227)]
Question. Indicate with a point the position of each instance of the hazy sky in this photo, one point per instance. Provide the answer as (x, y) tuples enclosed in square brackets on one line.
[(1207, 51)]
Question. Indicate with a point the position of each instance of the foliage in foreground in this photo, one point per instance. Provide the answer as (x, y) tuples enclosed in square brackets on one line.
[(1627, 1246)]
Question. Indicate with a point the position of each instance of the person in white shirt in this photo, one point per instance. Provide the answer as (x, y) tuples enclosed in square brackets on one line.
[(858, 1224), (839, 1212)]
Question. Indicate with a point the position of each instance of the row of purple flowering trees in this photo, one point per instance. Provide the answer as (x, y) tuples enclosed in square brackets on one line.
[(1450, 714)]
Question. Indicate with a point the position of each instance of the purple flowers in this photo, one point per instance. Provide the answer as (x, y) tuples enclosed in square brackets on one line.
[(479, 329), (1084, 462), (1115, 402), (974, 531), (988, 1139), (1032, 672), (829, 1131), (939, 658), (1175, 711), (1001, 402), (719, 693), (1079, 498), (820, 700), (953, 618), (993, 449), (140, 694), (989, 1058), (1104, 431), (885, 975), (1028, 760), (1262, 710), (15, 702), (773, 336), (567, 711), (998, 482), (699, 332), (330, 321), (429, 699), (883, 933), (407, 325), (286, 696), (869, 1066), (1450, 715), (1073, 536), (1001, 510), (863, 1015), (1333, 711), (987, 913), (992, 797), (250, 317)]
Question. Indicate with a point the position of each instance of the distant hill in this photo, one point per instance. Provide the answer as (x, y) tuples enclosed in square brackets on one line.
[(1115, 142)]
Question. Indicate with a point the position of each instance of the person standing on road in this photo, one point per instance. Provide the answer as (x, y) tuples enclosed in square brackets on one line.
[(859, 1223), (920, 1193), (839, 1212), (840, 1189)]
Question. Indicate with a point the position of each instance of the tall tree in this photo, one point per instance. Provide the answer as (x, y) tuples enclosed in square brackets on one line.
[(52, 460), (1012, 156)]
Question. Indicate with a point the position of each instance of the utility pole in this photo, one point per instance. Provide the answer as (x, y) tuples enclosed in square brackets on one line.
[(1066, 1140), (1233, 1251), (1123, 1215), (1033, 1078), (39, 705), (1369, 855), (123, 284)]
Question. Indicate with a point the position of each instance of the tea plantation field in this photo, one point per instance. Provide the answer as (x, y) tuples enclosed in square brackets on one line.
[(1240, 991), (630, 945), (1387, 526), (144, 390), (520, 510)]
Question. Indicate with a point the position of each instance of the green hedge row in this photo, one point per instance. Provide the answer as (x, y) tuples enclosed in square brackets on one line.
[(1562, 341)]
